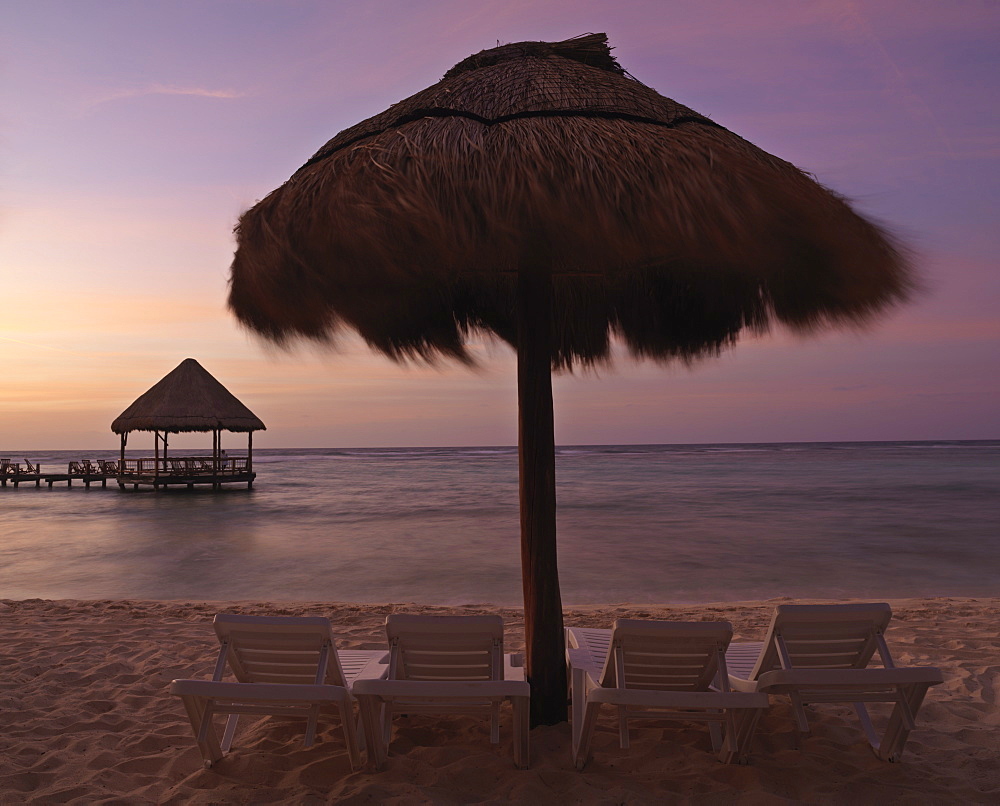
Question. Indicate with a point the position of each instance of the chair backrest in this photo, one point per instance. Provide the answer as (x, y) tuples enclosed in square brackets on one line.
[(665, 655), (445, 648), (279, 649), (836, 636)]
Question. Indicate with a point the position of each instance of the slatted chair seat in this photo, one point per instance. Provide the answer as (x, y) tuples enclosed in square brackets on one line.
[(658, 670), (285, 666), (445, 664), (821, 654)]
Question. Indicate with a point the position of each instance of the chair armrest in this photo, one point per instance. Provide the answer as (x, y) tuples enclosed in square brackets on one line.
[(258, 692), (451, 690), (573, 638), (742, 685), (513, 666), (362, 664), (645, 698), (582, 659), (782, 680)]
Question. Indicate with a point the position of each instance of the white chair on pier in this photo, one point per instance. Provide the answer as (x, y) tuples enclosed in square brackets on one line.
[(445, 664), (284, 666), (658, 670), (820, 654)]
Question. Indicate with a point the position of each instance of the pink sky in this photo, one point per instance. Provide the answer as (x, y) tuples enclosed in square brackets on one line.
[(132, 134)]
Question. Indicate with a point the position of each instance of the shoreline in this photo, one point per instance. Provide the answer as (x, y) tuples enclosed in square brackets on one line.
[(85, 694)]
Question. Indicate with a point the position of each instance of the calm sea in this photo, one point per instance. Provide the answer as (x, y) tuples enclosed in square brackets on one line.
[(643, 523)]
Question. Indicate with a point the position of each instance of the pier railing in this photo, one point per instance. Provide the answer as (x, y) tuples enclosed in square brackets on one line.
[(87, 467), (185, 466), (179, 470)]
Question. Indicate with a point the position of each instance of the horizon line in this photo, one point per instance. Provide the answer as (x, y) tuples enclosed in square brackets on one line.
[(514, 447)]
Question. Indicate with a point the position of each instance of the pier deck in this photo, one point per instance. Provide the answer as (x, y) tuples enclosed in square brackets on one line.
[(135, 473)]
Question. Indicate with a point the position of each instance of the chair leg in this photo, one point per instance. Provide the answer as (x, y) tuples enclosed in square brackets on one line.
[(746, 725), (387, 724), (199, 711), (901, 722), (715, 732), (359, 731), (578, 702), (623, 727), (311, 726), (583, 731), (376, 748), (800, 712), (866, 724), (730, 741), (495, 723), (350, 734), (521, 707), (227, 736)]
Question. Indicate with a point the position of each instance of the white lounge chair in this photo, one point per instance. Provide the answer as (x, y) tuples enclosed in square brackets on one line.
[(445, 664), (284, 666), (820, 653), (659, 670)]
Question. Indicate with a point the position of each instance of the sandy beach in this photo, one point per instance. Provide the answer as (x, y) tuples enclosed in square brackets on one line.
[(87, 720)]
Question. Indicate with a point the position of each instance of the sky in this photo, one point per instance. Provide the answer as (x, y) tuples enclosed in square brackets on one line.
[(134, 133)]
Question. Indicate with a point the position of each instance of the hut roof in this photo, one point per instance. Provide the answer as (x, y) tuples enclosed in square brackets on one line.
[(187, 399)]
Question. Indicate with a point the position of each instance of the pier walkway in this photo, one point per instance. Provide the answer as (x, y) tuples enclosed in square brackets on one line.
[(157, 472)]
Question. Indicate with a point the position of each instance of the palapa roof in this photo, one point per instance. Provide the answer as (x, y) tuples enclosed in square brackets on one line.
[(187, 399), (656, 224)]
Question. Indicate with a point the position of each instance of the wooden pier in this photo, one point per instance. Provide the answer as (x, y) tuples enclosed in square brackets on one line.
[(86, 471), (133, 473)]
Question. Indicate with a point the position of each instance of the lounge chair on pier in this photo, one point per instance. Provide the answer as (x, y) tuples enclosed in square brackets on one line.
[(284, 666)]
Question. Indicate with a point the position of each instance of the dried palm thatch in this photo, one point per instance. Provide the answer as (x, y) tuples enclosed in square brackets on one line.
[(187, 399), (540, 193), (656, 224)]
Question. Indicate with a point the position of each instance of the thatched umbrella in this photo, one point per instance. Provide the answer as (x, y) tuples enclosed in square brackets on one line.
[(540, 193)]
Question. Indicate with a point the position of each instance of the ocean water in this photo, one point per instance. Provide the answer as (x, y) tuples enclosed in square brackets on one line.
[(644, 523)]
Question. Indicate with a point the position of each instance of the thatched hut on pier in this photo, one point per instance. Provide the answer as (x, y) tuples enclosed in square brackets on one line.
[(188, 399)]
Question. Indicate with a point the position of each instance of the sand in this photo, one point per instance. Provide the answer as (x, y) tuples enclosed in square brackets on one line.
[(86, 719)]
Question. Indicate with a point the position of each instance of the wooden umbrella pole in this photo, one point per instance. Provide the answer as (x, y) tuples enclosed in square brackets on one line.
[(543, 622)]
